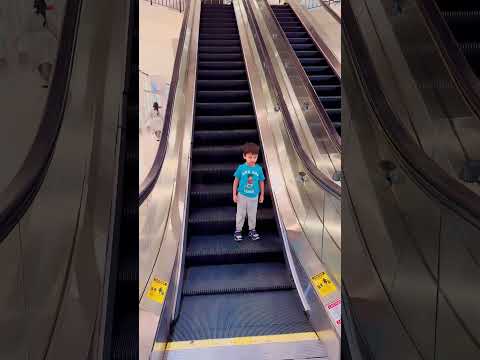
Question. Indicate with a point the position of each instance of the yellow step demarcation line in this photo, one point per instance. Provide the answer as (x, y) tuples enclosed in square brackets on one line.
[(237, 341)]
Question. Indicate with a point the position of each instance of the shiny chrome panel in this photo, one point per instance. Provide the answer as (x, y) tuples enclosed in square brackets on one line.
[(55, 261), (161, 239), (295, 201)]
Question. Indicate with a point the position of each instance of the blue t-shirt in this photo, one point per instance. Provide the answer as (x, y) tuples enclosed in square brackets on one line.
[(249, 179)]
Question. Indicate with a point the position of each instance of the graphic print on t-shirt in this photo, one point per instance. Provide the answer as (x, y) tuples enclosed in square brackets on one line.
[(249, 178)]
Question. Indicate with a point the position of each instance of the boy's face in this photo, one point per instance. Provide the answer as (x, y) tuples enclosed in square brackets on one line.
[(250, 158)]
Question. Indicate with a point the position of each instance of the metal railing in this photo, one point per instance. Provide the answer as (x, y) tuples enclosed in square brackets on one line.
[(172, 4)]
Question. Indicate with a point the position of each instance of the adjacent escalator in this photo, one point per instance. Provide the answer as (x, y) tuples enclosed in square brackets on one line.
[(463, 19), (229, 289), (321, 75)]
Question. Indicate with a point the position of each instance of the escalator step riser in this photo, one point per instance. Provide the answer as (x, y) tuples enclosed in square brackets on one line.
[(223, 96), (224, 109), (241, 258), (224, 137), (220, 227), (218, 154), (219, 199), (221, 74), (220, 122), (220, 57), (221, 65), (212, 50)]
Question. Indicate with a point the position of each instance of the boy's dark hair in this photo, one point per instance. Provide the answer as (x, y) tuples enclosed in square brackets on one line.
[(251, 148)]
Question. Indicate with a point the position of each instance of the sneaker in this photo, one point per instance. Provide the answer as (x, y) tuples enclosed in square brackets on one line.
[(253, 235), (237, 236)]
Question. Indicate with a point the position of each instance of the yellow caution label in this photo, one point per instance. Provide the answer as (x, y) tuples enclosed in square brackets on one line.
[(323, 284), (158, 290)]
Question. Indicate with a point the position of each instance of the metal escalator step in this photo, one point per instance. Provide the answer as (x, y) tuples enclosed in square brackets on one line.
[(304, 47), (235, 315), (327, 90), (214, 195), (221, 74), (216, 122), (318, 70), (222, 219), (206, 35), (331, 101), (222, 85), (225, 137), (219, 42), (219, 65), (323, 79), (307, 53), (301, 40), (316, 61), (218, 153), (222, 249), (223, 96), (219, 49), (292, 28), (295, 34), (236, 278), (213, 173), (224, 108), (220, 57)]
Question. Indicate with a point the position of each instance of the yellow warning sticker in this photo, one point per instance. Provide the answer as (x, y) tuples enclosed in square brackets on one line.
[(323, 284), (158, 290)]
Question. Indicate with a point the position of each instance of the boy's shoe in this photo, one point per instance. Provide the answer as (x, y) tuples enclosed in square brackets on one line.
[(237, 236), (253, 235)]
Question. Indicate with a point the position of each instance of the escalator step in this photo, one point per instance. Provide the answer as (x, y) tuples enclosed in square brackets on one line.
[(223, 96), (236, 278), (219, 42), (236, 315), (212, 173), (221, 74), (212, 122), (225, 137), (222, 219), (215, 65), (231, 153), (205, 35), (214, 195), (222, 84), (222, 249), (213, 50)]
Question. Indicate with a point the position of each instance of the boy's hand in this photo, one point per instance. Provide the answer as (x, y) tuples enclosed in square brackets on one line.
[(260, 199), (235, 198)]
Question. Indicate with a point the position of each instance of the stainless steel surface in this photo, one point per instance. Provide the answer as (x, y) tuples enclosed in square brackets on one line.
[(56, 263), (161, 231), (419, 86), (293, 204), (324, 151), (412, 244)]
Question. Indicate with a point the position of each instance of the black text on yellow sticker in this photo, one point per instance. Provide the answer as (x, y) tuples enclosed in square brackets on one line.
[(323, 284), (158, 290)]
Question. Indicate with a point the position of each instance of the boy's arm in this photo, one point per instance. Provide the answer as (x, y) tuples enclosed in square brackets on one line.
[(262, 191), (235, 186)]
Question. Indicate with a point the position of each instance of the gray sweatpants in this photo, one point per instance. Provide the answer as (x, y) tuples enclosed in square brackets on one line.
[(246, 207)]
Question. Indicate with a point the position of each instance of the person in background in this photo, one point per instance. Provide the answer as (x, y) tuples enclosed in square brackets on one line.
[(155, 122)]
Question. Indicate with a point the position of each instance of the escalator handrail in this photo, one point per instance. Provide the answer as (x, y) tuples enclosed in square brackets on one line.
[(318, 177), (325, 120), (453, 56), (22, 190), (429, 177), (148, 183)]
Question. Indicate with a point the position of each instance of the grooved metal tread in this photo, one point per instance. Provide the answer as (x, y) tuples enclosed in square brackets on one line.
[(236, 278), (237, 315), (224, 214), (223, 245)]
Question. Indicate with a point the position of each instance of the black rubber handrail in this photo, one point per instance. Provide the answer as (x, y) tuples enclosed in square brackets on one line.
[(319, 178), (457, 64), (21, 191), (429, 177), (152, 176), (325, 119)]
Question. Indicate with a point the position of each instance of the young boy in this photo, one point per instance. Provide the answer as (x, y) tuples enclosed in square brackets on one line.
[(249, 182)]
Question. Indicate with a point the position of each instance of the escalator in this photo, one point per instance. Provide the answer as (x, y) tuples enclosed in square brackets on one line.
[(323, 79), (463, 19), (122, 314), (228, 287)]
